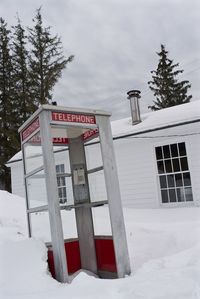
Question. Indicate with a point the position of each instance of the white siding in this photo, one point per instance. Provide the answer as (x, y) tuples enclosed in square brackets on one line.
[(136, 172), (136, 164), (137, 167)]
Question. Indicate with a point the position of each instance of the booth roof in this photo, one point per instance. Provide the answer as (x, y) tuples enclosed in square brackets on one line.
[(63, 109), (175, 115)]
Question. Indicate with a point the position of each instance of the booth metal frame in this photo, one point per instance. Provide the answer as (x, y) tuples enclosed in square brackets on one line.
[(94, 122)]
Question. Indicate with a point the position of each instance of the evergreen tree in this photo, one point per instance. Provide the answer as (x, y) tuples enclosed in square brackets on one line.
[(23, 102), (6, 101), (26, 81), (46, 61), (165, 86)]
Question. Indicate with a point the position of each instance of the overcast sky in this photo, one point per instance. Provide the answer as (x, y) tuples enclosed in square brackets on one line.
[(115, 44)]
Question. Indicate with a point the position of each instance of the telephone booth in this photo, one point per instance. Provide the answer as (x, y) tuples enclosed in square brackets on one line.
[(53, 134)]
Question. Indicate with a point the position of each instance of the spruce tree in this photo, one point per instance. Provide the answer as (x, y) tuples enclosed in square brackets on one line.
[(23, 101), (7, 148), (165, 85), (46, 60)]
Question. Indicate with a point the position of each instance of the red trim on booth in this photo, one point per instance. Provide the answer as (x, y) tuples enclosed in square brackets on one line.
[(28, 130), (36, 140), (104, 252), (73, 117), (72, 252), (105, 255), (90, 134)]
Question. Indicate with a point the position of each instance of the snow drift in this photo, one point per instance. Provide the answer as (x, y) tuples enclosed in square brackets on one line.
[(164, 248)]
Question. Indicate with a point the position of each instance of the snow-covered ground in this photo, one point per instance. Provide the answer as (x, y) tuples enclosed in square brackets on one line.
[(164, 248)]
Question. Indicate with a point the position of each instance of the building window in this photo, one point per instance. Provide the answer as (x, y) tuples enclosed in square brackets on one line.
[(61, 182), (173, 172)]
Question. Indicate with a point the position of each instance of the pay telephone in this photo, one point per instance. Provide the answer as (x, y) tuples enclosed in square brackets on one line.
[(80, 183), (79, 175)]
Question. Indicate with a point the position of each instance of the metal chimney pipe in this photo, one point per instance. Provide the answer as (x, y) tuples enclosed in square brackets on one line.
[(134, 96)]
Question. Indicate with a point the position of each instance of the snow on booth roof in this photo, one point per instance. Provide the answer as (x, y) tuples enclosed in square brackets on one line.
[(151, 120)]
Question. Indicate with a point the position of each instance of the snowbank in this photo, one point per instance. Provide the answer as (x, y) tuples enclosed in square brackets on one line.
[(12, 216), (164, 247)]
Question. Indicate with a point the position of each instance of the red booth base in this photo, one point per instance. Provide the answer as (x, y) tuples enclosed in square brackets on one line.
[(105, 255)]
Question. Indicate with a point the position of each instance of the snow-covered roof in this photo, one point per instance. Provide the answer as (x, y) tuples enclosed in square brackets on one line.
[(158, 119), (16, 157), (152, 120)]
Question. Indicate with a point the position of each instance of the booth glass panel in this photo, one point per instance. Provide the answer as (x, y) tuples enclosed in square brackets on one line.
[(97, 186), (64, 183), (69, 191), (69, 224), (93, 155), (101, 221), (40, 226), (96, 179), (61, 156), (33, 153), (61, 183), (36, 189)]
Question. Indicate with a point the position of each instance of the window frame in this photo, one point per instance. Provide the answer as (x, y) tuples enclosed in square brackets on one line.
[(60, 168), (173, 173)]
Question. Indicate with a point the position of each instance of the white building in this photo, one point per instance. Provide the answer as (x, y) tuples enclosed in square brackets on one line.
[(158, 161)]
